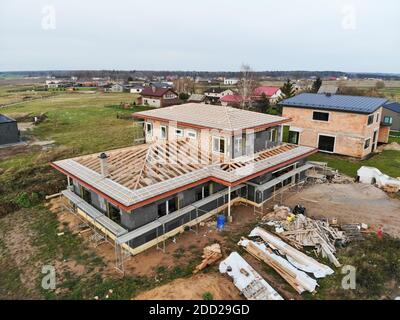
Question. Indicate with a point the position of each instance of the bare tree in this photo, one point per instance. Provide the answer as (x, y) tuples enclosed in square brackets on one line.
[(246, 86)]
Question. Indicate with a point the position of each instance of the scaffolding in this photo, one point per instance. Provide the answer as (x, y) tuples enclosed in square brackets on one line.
[(278, 187)]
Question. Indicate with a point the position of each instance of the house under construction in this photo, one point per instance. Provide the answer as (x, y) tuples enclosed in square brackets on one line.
[(196, 161)]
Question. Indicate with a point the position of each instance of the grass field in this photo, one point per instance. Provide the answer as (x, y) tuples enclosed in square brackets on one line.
[(85, 123)]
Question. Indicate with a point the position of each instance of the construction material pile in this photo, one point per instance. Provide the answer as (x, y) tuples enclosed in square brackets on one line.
[(211, 254), (297, 266), (247, 280), (301, 231)]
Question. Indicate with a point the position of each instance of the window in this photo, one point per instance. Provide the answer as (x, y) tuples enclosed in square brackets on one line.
[(273, 135), (167, 207), (149, 128), (179, 132), (377, 117), (191, 134), (326, 143), (203, 192), (238, 146), (370, 119), (219, 145), (294, 137), (163, 132), (367, 143), (375, 134), (387, 120), (320, 116)]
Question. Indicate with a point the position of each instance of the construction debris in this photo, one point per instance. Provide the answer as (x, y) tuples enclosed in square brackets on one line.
[(211, 254), (247, 280), (353, 231), (299, 280), (301, 231), (295, 257)]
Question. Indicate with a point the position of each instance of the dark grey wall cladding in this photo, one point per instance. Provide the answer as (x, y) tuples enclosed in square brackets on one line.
[(148, 213), (9, 133)]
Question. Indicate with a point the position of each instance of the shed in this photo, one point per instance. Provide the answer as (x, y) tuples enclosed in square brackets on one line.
[(9, 132)]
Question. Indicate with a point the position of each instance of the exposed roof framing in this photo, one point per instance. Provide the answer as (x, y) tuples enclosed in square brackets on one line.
[(139, 173)]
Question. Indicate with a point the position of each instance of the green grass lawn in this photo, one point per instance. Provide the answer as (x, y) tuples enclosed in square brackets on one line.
[(388, 162), (83, 121)]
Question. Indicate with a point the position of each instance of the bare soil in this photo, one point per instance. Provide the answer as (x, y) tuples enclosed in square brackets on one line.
[(193, 288), (350, 203)]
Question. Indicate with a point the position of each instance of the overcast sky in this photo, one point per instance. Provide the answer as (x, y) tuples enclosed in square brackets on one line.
[(214, 35)]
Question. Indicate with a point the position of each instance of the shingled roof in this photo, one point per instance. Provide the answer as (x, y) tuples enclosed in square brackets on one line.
[(154, 91), (212, 117), (354, 104)]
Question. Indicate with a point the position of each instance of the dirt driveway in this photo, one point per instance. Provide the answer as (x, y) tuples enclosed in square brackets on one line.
[(350, 203), (193, 288)]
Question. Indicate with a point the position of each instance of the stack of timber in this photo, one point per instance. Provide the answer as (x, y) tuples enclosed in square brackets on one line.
[(297, 279), (295, 257), (211, 254), (247, 280), (306, 232), (352, 231)]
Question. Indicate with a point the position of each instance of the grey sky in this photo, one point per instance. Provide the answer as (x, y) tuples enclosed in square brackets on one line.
[(209, 35)]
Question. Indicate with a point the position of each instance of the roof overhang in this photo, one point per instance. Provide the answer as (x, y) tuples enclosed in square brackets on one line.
[(196, 126), (207, 178)]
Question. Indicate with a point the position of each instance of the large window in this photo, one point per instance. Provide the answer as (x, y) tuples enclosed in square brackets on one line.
[(202, 192), (219, 145), (294, 137), (370, 119), (387, 120), (326, 143), (321, 116), (167, 207)]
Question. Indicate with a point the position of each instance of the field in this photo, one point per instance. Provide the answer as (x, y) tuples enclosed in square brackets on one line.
[(32, 235)]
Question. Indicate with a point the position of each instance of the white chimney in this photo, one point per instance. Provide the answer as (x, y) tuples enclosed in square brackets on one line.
[(103, 164)]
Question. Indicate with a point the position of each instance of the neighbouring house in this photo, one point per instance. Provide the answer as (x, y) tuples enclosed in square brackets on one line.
[(328, 89), (232, 100), (272, 93), (391, 115), (197, 161), (158, 97), (133, 88), (9, 132), (116, 87), (346, 125), (213, 95), (197, 98), (231, 81)]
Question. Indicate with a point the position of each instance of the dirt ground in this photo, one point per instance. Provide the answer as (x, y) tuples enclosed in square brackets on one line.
[(350, 203), (193, 288)]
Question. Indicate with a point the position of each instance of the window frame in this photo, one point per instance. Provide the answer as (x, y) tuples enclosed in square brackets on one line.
[(370, 122), (321, 112), (367, 145), (161, 132), (388, 122), (219, 145), (149, 132), (189, 132), (179, 135)]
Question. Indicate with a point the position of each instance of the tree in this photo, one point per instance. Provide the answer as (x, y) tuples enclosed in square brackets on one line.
[(288, 90), (316, 85), (379, 85), (246, 86), (183, 96), (130, 79)]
